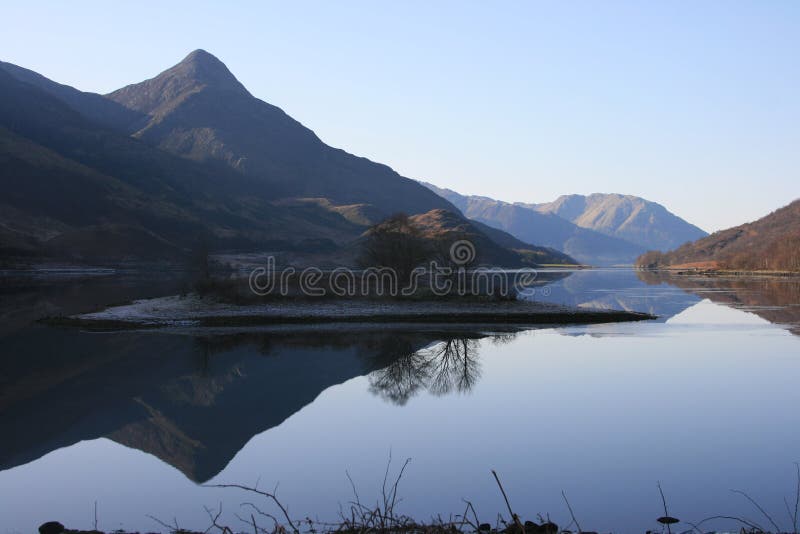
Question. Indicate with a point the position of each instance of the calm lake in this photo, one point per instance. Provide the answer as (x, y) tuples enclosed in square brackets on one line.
[(704, 399)]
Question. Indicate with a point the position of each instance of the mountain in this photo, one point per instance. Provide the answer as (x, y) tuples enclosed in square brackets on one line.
[(550, 230), (627, 217), (770, 243), (79, 189), (199, 110), (189, 156)]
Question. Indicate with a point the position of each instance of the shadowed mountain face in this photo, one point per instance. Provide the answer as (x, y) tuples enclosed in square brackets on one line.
[(550, 230), (92, 106), (77, 189), (199, 110), (627, 217), (770, 243)]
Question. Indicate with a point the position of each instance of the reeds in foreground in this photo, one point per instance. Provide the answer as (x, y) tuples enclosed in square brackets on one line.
[(360, 517)]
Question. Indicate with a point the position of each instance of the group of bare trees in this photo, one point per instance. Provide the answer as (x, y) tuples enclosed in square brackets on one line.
[(395, 243), (398, 244)]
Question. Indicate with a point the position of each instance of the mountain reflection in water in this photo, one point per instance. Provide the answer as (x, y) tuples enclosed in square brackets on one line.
[(195, 398), (194, 401)]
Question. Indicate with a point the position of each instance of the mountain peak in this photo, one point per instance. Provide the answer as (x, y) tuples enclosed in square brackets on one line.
[(200, 59), (205, 68), (200, 55), (199, 70), (635, 219)]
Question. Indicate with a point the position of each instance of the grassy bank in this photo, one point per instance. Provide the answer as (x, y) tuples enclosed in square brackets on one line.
[(266, 514)]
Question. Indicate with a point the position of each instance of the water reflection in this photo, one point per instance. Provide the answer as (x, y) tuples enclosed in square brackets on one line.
[(194, 401), (451, 365), (618, 289), (774, 298), (191, 399)]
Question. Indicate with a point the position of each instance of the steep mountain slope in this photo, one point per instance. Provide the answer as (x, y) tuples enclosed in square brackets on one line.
[(199, 110), (770, 243), (548, 230), (77, 188), (631, 218)]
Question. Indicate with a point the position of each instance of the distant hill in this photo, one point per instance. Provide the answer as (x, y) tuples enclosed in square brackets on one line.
[(493, 247), (439, 230), (770, 243), (634, 219), (545, 229)]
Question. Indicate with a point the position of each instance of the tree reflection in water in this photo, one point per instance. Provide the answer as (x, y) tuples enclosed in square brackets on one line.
[(448, 366)]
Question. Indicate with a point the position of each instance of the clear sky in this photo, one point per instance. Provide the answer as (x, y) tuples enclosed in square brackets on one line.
[(693, 104)]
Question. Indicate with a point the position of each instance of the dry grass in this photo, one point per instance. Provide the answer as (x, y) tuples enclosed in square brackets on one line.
[(268, 515)]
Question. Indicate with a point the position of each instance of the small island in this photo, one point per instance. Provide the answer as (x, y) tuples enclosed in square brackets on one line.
[(198, 311)]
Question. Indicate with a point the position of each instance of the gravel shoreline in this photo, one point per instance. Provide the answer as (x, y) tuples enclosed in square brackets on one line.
[(194, 311)]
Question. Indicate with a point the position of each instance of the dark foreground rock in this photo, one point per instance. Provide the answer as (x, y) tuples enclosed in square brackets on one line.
[(54, 527)]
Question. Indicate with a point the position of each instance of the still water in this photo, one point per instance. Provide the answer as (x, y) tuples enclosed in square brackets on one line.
[(704, 399)]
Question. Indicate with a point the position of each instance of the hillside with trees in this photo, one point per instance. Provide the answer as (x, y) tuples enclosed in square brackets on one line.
[(771, 243)]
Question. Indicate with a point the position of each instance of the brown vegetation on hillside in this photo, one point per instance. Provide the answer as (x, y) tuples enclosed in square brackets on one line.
[(771, 243)]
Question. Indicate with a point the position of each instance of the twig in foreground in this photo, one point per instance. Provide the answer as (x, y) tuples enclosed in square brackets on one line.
[(760, 509), (514, 516), (268, 495), (574, 519)]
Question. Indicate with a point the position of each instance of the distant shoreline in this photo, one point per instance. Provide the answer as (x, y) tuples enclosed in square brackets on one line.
[(684, 271)]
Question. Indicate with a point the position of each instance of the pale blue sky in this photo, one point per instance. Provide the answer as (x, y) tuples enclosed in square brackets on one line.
[(694, 104)]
